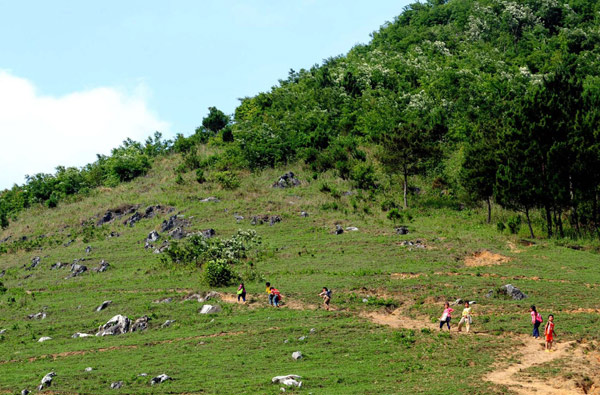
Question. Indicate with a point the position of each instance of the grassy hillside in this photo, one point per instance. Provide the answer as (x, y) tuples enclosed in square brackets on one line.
[(380, 336)]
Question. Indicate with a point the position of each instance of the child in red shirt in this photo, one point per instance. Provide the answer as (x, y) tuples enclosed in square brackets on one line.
[(549, 332)]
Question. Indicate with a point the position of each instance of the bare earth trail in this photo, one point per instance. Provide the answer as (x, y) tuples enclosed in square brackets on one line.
[(529, 353)]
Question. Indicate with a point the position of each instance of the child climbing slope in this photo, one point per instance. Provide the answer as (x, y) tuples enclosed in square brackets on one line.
[(549, 332), (326, 295), (466, 318), (446, 316)]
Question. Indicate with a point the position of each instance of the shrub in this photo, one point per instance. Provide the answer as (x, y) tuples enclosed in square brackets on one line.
[(218, 273), (179, 180), (191, 161), (388, 204), (363, 176), (227, 134), (325, 188), (500, 226), (2, 288), (394, 215), (200, 176), (514, 224), (227, 180), (343, 168)]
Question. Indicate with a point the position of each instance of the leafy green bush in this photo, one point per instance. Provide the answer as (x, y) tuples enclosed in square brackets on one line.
[(179, 180), (388, 204), (227, 180), (514, 224), (363, 177), (2, 288), (218, 273), (500, 226), (200, 176), (394, 215)]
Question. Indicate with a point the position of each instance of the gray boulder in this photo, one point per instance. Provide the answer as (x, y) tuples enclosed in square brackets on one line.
[(274, 219), (77, 269), (210, 199), (25, 392), (116, 385), (161, 378), (102, 267), (44, 338), (297, 355), (288, 180), (167, 323), (34, 262), (103, 305), (352, 229), (141, 324), (210, 309), (58, 265), (291, 380), (46, 381), (134, 219), (88, 369), (402, 230), (80, 334), (37, 316), (178, 233), (88, 249), (512, 291), (208, 233), (303, 214), (338, 230), (117, 325), (153, 236)]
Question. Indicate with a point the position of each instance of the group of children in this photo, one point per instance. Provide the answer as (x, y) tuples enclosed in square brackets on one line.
[(536, 320), (275, 295)]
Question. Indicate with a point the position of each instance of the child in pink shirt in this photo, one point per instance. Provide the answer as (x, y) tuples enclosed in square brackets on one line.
[(446, 316)]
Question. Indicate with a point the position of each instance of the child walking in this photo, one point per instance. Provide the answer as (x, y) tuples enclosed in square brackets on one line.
[(549, 332), (466, 318), (268, 285), (326, 295), (446, 316), (241, 292), (536, 320), (276, 296)]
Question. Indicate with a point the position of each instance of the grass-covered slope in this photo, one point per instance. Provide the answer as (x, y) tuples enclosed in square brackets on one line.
[(388, 344)]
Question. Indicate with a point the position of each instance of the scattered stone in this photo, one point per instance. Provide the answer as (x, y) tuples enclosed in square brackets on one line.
[(274, 219), (80, 334), (256, 221), (153, 236), (2, 331), (141, 324), (167, 323), (472, 302), (302, 338), (117, 325), (37, 316), (297, 355), (58, 265), (201, 298), (142, 374), (102, 267), (111, 215), (458, 301), (44, 338), (88, 369), (289, 380), (161, 378), (413, 244), (261, 219), (312, 330), (173, 222), (134, 219), (210, 309), (34, 262), (238, 218), (286, 341), (512, 291), (103, 305), (303, 214), (88, 249), (402, 230), (208, 233), (178, 233), (25, 392), (46, 381), (2, 273), (114, 234), (116, 385), (210, 199), (365, 300), (166, 300), (77, 269), (69, 242), (351, 229), (288, 180), (338, 230), (348, 193)]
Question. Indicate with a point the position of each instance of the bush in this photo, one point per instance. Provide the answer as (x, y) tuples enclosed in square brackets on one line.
[(500, 226), (2, 288), (227, 180), (200, 176), (179, 180), (388, 204), (394, 215), (363, 177), (227, 134), (514, 224), (218, 273), (191, 161)]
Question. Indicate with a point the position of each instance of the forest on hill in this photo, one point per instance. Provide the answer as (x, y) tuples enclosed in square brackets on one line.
[(494, 102)]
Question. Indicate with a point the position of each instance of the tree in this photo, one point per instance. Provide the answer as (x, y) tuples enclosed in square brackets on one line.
[(478, 172), (407, 149), (215, 120)]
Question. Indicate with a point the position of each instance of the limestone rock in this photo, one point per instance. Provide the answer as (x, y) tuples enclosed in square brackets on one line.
[(46, 381), (297, 355), (116, 385), (141, 324), (338, 230), (117, 325), (289, 380), (80, 334), (287, 180), (44, 338), (103, 305), (161, 378), (210, 309)]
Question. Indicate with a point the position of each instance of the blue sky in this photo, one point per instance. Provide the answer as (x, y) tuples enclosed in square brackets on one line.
[(78, 77)]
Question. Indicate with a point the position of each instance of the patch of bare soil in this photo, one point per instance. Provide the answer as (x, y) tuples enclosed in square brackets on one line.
[(405, 276), (531, 353), (485, 258)]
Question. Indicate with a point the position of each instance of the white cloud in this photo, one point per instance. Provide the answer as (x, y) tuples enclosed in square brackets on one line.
[(38, 133)]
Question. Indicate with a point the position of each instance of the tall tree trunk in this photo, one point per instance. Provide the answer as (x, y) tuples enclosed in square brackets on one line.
[(548, 220), (559, 223), (405, 187), (489, 204), (529, 222), (595, 214)]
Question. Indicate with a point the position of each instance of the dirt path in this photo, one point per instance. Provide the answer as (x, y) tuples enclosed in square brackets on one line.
[(530, 354)]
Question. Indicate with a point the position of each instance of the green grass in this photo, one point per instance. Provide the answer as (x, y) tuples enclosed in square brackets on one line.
[(243, 348)]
